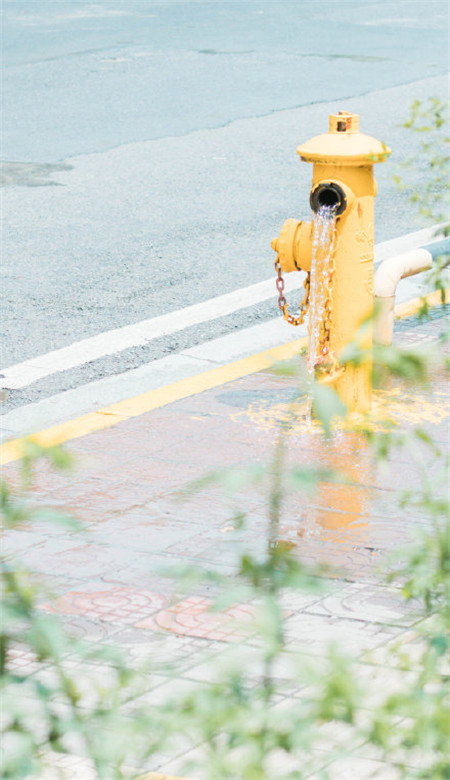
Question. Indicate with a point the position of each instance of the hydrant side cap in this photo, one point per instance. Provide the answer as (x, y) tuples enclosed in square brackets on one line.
[(347, 148)]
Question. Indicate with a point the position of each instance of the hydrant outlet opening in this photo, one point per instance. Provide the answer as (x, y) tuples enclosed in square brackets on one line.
[(328, 194)]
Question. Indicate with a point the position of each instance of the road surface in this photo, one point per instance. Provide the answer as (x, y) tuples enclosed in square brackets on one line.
[(150, 153)]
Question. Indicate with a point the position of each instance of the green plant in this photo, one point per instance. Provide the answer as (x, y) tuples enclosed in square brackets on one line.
[(430, 121), (412, 725), (246, 724), (55, 708), (237, 721)]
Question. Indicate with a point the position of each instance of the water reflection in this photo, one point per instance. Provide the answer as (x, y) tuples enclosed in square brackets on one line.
[(343, 507), (340, 508)]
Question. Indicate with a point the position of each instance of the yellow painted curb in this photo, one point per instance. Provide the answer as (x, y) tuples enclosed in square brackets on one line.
[(409, 308), (155, 399)]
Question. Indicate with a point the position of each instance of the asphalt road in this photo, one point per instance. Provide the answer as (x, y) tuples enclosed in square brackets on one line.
[(150, 151)]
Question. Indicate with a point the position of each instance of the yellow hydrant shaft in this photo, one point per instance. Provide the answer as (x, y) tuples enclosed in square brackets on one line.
[(352, 285), (343, 181)]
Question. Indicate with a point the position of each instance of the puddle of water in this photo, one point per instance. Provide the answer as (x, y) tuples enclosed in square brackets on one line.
[(341, 511), (346, 507), (242, 398), (388, 407), (31, 174)]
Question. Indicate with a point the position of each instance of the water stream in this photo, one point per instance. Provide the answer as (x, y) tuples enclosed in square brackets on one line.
[(324, 237)]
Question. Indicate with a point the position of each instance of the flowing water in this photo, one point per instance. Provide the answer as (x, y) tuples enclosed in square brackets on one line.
[(324, 236)]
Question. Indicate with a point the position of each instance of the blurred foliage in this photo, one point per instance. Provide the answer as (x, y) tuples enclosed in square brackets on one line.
[(245, 733), (54, 698), (430, 120), (269, 704), (412, 725), (246, 724)]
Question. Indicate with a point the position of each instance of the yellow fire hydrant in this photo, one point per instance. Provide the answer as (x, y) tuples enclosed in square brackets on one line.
[(339, 261)]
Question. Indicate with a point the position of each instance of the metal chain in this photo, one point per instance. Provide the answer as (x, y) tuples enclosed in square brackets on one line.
[(327, 363), (282, 303)]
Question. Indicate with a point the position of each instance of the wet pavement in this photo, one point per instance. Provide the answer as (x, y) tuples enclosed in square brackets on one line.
[(133, 488)]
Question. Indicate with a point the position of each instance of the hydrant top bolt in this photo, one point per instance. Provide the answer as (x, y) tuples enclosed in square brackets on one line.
[(343, 122)]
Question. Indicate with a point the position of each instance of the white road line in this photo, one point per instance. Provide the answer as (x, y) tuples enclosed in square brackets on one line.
[(141, 333), (112, 389), (113, 341)]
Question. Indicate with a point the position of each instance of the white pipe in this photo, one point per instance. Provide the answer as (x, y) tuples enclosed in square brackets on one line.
[(387, 277)]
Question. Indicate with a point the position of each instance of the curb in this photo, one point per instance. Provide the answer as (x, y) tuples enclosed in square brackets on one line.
[(111, 415)]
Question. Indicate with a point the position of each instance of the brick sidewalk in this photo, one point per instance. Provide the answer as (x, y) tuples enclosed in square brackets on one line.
[(132, 489)]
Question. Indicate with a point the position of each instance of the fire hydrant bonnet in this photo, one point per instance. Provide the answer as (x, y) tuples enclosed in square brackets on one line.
[(344, 144)]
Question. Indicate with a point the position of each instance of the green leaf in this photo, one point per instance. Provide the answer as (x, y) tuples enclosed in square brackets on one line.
[(327, 406), (47, 637)]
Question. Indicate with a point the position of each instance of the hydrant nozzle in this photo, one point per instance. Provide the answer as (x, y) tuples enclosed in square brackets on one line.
[(334, 194), (294, 246)]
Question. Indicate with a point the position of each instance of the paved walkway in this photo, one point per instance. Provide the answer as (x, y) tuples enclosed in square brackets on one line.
[(132, 489)]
